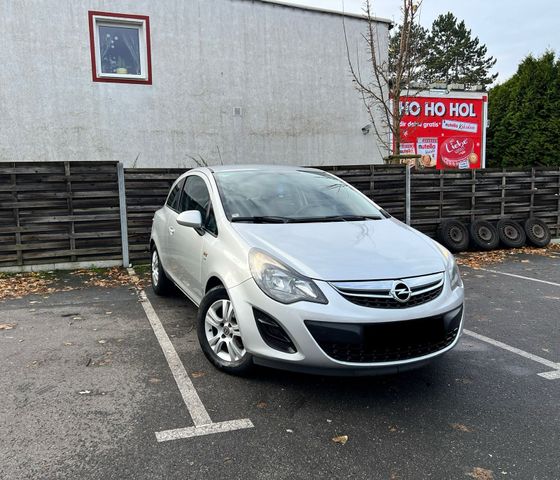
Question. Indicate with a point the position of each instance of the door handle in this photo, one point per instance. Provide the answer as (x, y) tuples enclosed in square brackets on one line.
[(171, 230)]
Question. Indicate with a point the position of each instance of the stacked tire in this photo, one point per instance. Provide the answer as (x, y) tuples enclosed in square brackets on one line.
[(484, 235)]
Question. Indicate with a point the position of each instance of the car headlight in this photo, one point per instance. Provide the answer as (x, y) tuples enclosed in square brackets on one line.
[(280, 282), (454, 274), (451, 267)]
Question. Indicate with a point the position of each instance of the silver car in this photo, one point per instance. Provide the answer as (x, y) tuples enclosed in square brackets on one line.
[(296, 269)]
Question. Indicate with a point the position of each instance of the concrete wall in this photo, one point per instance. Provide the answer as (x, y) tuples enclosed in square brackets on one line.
[(285, 67)]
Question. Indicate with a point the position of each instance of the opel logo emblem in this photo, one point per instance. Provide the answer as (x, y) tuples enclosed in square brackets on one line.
[(401, 292)]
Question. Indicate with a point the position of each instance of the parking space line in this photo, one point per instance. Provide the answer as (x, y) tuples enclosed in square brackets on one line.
[(188, 432), (520, 276), (553, 375), (203, 424)]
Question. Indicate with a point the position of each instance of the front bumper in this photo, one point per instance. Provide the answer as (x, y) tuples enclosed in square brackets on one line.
[(310, 357)]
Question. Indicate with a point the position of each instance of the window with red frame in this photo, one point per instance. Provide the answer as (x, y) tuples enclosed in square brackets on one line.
[(120, 47)]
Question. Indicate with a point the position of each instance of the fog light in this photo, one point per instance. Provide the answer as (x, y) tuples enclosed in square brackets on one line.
[(272, 333)]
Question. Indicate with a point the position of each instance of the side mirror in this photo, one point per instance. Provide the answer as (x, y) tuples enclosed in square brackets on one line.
[(190, 218)]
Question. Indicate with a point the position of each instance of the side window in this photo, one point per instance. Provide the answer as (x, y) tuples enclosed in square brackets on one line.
[(174, 196), (211, 225), (196, 197)]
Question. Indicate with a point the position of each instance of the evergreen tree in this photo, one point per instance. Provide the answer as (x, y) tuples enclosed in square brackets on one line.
[(414, 70), (524, 116), (454, 56)]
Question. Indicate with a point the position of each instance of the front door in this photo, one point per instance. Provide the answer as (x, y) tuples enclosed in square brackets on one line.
[(185, 243)]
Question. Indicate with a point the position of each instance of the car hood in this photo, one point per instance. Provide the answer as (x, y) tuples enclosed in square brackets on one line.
[(366, 250)]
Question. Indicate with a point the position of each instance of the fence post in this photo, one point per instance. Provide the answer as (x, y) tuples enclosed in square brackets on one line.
[(473, 195), (558, 218), (122, 210), (407, 193)]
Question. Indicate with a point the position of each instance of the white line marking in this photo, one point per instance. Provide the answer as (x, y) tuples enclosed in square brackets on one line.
[(189, 432), (548, 375), (202, 422), (520, 276), (554, 375)]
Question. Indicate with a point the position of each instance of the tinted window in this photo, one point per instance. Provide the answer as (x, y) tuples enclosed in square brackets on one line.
[(174, 196)]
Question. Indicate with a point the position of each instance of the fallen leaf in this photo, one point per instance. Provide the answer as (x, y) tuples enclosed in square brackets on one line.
[(7, 326), (342, 439), (198, 374), (481, 474), (262, 405), (392, 429), (482, 259), (460, 427), (22, 284), (154, 380)]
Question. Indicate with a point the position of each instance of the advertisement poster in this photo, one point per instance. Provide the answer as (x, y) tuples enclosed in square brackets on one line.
[(447, 132)]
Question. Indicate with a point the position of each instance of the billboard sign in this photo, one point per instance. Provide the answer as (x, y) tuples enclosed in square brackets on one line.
[(446, 131)]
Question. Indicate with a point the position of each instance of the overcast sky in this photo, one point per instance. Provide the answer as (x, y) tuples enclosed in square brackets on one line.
[(511, 29)]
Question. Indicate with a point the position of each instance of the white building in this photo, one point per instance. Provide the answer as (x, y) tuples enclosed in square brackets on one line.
[(155, 83)]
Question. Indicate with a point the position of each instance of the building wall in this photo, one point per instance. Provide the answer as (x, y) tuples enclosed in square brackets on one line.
[(285, 67)]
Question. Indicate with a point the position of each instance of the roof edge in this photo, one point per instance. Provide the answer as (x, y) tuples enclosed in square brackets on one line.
[(323, 10)]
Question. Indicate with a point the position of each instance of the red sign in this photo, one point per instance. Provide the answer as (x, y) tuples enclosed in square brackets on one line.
[(446, 132)]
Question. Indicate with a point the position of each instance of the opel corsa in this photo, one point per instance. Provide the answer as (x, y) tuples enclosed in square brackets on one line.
[(296, 269)]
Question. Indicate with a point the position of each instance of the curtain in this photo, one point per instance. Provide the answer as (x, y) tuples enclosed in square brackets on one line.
[(130, 38)]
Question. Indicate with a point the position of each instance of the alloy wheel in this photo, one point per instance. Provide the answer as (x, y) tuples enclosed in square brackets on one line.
[(222, 331), (155, 268)]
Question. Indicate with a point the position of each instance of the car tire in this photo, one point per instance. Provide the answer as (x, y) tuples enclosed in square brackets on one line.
[(160, 281), (484, 235), (537, 231), (219, 335), (511, 233), (454, 235)]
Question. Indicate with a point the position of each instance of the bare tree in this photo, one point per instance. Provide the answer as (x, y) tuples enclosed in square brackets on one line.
[(385, 79)]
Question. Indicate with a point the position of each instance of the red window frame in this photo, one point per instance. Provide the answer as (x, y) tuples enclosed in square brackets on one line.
[(91, 17)]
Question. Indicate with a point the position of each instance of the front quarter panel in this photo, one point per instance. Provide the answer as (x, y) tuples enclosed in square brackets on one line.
[(225, 257)]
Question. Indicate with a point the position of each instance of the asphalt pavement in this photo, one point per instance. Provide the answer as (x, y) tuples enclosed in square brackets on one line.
[(85, 387)]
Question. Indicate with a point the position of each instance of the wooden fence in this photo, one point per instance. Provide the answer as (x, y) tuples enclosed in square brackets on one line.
[(488, 194), (146, 191), (60, 212)]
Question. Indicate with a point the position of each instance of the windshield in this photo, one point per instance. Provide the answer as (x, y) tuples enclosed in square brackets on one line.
[(290, 196)]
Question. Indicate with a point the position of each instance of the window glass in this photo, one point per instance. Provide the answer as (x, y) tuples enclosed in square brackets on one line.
[(174, 196), (293, 195), (119, 49), (195, 196), (211, 225)]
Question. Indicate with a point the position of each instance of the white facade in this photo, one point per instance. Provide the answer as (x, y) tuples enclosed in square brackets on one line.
[(233, 81)]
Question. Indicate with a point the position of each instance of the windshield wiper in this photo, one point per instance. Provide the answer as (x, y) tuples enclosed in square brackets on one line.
[(262, 219), (336, 218)]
